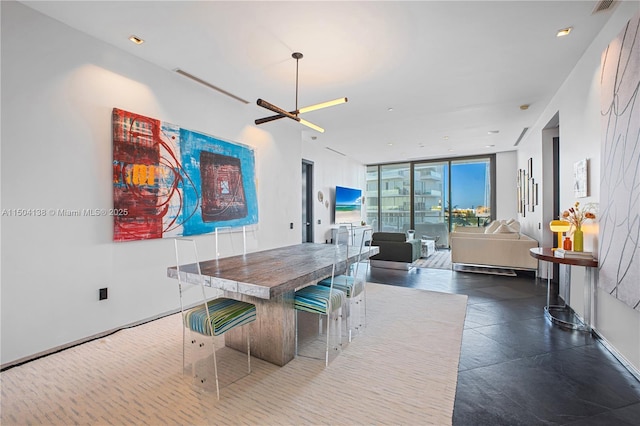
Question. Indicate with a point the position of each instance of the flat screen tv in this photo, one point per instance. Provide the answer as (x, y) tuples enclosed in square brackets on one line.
[(348, 205)]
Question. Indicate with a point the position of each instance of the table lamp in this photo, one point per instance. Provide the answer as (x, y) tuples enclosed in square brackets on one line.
[(559, 226)]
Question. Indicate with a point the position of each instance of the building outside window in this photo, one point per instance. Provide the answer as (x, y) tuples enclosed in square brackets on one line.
[(430, 197)]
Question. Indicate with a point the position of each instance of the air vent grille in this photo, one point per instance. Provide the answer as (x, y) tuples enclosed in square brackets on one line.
[(337, 152), (209, 85), (603, 5), (521, 136)]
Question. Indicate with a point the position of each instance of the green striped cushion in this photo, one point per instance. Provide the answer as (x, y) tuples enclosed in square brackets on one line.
[(315, 298), (345, 283), (224, 314)]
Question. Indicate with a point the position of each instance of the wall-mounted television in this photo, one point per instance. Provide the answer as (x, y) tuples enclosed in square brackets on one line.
[(348, 207)]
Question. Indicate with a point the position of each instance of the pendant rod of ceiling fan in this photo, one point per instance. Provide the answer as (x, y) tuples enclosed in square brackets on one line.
[(297, 56)]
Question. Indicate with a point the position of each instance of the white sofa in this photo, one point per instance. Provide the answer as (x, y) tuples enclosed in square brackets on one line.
[(505, 249)]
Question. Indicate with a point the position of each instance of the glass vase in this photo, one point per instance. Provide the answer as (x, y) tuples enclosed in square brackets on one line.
[(578, 240)]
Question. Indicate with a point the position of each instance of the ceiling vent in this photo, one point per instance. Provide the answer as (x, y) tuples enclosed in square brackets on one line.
[(521, 136), (337, 152), (209, 85), (602, 6)]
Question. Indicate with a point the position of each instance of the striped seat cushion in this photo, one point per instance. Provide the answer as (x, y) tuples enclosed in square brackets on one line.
[(344, 283), (315, 298), (224, 314)]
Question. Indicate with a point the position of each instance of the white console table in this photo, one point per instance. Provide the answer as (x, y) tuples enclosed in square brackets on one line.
[(355, 233)]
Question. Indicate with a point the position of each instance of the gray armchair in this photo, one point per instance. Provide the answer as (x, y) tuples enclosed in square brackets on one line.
[(394, 247)]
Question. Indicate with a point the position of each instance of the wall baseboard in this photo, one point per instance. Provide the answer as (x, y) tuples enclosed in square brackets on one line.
[(61, 348), (625, 363)]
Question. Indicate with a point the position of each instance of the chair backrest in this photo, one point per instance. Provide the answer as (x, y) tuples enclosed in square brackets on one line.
[(363, 241), (227, 240), (189, 272), (340, 245), (343, 236), (234, 241)]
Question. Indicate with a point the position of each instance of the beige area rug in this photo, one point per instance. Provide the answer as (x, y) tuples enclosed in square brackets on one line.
[(401, 370), (441, 259)]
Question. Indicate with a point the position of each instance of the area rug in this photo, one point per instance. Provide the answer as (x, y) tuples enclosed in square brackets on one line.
[(401, 370), (476, 269), (441, 259)]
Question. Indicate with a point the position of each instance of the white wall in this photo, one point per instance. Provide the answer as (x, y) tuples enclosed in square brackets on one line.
[(330, 170), (506, 195), (58, 90), (578, 105)]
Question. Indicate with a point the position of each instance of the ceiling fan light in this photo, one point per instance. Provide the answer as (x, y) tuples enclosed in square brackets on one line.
[(295, 115), (322, 105), (310, 125)]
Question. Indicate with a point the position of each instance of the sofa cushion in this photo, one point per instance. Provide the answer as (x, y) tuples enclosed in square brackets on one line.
[(494, 236), (389, 236)]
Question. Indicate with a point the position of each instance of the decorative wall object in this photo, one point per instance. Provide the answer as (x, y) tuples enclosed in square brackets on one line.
[(522, 192), (169, 181), (519, 191), (619, 238), (527, 189), (580, 176)]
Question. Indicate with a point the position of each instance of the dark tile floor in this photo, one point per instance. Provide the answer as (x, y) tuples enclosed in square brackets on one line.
[(516, 368)]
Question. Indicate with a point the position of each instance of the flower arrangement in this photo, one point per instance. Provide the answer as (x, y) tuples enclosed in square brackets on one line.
[(576, 216)]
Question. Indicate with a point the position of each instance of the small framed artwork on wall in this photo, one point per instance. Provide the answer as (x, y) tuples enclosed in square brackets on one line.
[(580, 178)]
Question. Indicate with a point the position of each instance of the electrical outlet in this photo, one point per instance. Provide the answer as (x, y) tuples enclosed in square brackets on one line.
[(103, 294), (319, 222), (291, 225)]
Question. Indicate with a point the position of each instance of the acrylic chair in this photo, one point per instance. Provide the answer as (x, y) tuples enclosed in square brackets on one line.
[(224, 236), (325, 301), (211, 316), (354, 287)]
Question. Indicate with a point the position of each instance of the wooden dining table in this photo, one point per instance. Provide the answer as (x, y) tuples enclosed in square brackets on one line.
[(269, 279)]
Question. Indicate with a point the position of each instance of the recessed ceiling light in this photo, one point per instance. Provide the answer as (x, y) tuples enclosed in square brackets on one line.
[(524, 107), (564, 32), (489, 146), (493, 132), (445, 138), (136, 39), (450, 149), (389, 109), (390, 144)]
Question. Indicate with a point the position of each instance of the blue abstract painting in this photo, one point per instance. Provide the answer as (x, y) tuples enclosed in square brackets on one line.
[(173, 182)]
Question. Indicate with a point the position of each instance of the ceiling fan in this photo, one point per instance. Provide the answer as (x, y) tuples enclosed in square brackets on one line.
[(295, 114)]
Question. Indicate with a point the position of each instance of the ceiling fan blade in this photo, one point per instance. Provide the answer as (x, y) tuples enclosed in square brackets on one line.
[(283, 113), (323, 105), (272, 107), (268, 119)]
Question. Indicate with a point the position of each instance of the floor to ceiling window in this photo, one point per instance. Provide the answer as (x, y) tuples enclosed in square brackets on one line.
[(470, 192), (430, 197)]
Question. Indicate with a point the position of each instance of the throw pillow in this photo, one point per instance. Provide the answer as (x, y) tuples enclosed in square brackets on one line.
[(504, 229), (492, 227), (514, 224)]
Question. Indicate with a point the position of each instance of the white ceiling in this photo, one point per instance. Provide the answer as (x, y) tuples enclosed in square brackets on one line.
[(451, 70)]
